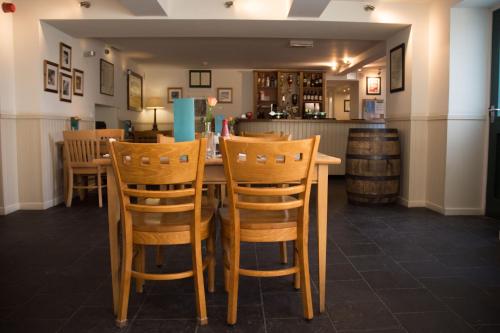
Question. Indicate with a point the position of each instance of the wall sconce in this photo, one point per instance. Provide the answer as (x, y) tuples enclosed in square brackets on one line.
[(369, 8), (85, 4), (228, 4), (107, 51), (89, 54), (347, 61)]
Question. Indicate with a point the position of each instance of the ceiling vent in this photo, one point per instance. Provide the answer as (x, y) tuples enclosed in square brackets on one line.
[(301, 43)]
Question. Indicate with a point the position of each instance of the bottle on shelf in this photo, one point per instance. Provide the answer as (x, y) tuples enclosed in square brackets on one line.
[(305, 81), (320, 80), (320, 97), (268, 82)]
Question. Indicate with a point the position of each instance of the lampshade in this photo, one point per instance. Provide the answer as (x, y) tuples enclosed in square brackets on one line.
[(154, 103)]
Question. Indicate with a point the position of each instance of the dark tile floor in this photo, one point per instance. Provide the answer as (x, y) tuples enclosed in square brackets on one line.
[(390, 269)]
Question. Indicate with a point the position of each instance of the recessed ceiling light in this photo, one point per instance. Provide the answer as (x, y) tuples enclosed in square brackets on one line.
[(334, 65), (347, 60)]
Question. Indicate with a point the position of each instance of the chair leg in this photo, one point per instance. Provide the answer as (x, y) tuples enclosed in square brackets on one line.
[(199, 286), (159, 256), (225, 260), (296, 277), (140, 266), (283, 253), (69, 197), (305, 282), (234, 274), (99, 188), (121, 320), (81, 182), (211, 263)]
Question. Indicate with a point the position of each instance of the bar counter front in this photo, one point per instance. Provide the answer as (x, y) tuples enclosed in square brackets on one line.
[(334, 133)]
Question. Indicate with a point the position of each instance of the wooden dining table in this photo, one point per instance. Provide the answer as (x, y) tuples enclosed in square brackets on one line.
[(214, 175)]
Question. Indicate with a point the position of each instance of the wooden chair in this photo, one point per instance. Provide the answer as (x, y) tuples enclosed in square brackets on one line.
[(175, 217), (148, 136), (80, 150), (258, 214), (110, 133)]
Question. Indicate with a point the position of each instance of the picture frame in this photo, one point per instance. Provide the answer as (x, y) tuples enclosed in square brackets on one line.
[(373, 85), (50, 76), (77, 82), (173, 93), (107, 78), (66, 84), (200, 79), (347, 105), (225, 95), (134, 92), (65, 56), (397, 68)]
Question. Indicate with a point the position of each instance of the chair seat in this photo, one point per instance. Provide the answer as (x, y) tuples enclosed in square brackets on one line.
[(171, 222)]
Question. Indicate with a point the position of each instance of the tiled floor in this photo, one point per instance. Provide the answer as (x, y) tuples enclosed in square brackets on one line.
[(390, 269)]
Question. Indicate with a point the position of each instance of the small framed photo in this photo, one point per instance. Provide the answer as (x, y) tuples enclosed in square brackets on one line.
[(66, 85), (225, 95), (200, 79), (134, 92), (397, 68), (174, 93), (347, 105), (77, 82), (373, 85), (65, 56), (50, 76), (107, 75)]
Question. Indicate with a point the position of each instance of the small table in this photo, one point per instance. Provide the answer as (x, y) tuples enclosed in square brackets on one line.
[(214, 174)]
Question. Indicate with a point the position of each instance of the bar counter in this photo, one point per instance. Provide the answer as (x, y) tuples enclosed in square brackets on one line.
[(333, 133)]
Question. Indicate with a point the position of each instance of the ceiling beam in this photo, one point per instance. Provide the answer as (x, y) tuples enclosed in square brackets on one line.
[(365, 58), (307, 8), (146, 7)]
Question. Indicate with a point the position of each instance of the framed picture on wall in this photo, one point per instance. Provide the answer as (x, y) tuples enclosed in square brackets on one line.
[(200, 79), (173, 93), (373, 85), (65, 56), (347, 105), (65, 81), (107, 78), (225, 95), (397, 68), (50, 76), (77, 82), (134, 91)]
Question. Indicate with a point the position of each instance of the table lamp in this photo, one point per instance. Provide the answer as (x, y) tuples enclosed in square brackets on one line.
[(154, 103)]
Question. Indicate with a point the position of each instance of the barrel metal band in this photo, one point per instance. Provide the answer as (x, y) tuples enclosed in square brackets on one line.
[(373, 130), (375, 178), (372, 139), (373, 157)]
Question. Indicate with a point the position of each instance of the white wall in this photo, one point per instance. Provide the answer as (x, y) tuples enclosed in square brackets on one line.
[(8, 154), (159, 78)]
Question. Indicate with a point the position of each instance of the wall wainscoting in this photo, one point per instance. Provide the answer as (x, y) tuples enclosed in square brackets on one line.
[(36, 159)]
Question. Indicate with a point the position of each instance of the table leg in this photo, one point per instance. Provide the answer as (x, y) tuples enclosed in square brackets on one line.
[(114, 248), (322, 210)]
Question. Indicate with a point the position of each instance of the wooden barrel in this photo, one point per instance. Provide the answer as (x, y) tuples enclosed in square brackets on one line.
[(373, 165)]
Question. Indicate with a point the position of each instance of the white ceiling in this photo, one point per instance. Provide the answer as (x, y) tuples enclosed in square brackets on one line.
[(236, 52), (232, 43)]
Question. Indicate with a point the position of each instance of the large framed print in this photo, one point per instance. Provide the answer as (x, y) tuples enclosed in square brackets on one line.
[(200, 79), (134, 92), (397, 68), (107, 78)]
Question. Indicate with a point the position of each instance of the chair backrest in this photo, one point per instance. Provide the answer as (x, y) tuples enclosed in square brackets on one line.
[(148, 136), (110, 133), (160, 164), (160, 138), (272, 164), (81, 147), (279, 136)]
